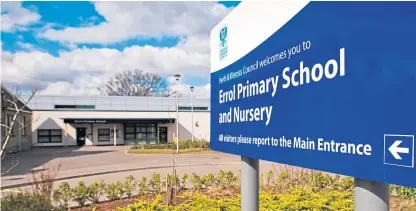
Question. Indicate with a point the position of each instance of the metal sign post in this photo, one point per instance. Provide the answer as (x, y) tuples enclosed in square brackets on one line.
[(370, 195), (249, 184)]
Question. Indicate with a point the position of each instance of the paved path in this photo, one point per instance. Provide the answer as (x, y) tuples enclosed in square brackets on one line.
[(111, 164)]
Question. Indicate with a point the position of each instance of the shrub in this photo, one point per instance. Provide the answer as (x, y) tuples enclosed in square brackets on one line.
[(320, 181), (222, 179), (308, 199), (228, 179), (24, 201), (404, 192), (239, 175), (63, 194), (347, 183), (185, 144), (115, 190), (43, 180), (196, 144), (143, 188), (334, 182), (120, 189), (130, 185), (261, 181), (95, 191), (206, 145), (296, 199), (197, 181), (156, 183), (153, 146), (208, 180), (183, 181), (201, 144), (269, 178), (111, 191), (203, 202), (167, 181), (154, 205), (173, 181), (80, 193)]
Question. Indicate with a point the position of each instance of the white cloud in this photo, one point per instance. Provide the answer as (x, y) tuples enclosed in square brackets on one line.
[(86, 85), (195, 43), (78, 71), (15, 17), (28, 47), (199, 91), (40, 69), (185, 89), (125, 20)]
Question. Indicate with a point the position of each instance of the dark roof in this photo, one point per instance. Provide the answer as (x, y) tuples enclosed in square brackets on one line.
[(7, 94)]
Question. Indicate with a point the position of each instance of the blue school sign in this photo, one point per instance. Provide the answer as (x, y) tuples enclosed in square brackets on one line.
[(334, 90)]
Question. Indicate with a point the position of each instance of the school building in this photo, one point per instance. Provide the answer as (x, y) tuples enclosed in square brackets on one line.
[(116, 120)]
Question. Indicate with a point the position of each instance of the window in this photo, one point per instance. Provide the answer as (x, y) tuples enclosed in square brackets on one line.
[(103, 135), (24, 126), (74, 106), (151, 132), (50, 136), (188, 108), (143, 133), (119, 133)]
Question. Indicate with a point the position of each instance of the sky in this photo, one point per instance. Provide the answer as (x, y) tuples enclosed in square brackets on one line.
[(69, 48)]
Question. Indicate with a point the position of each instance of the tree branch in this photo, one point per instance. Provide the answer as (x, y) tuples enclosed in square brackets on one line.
[(16, 113), (11, 167), (135, 83), (3, 125)]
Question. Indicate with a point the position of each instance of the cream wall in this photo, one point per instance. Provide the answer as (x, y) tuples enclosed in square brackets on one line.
[(185, 125), (54, 120)]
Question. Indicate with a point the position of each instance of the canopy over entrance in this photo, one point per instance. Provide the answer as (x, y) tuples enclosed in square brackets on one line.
[(117, 120)]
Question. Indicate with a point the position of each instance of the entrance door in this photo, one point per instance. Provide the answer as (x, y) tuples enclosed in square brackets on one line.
[(81, 135), (163, 135)]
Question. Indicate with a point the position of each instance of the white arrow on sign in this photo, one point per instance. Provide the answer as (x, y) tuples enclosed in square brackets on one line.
[(395, 149)]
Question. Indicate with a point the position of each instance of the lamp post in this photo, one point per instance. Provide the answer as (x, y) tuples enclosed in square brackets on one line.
[(177, 76), (192, 110)]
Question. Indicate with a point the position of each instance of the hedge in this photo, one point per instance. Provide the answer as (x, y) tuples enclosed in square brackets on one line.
[(296, 199), (186, 144)]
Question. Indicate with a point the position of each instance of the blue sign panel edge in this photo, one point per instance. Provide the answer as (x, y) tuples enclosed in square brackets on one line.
[(382, 166)]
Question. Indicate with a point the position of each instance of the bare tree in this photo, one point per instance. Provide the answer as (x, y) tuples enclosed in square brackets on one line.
[(12, 105), (136, 83)]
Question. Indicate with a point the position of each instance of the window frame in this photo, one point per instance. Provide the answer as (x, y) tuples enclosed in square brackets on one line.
[(195, 108), (82, 107), (24, 131), (136, 132), (126, 133), (119, 133), (100, 135), (49, 135)]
